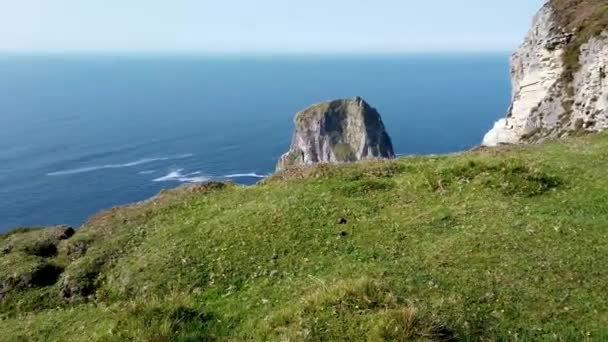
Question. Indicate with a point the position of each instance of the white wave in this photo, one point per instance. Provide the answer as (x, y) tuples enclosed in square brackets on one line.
[(173, 175), (241, 175), (201, 179), (116, 166), (177, 176), (146, 172)]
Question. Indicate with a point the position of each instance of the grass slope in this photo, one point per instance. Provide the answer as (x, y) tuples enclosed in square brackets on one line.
[(496, 244)]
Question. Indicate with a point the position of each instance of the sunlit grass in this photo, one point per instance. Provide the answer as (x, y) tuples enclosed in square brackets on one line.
[(507, 243)]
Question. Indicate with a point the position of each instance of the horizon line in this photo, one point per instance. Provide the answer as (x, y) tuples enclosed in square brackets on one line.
[(44, 53)]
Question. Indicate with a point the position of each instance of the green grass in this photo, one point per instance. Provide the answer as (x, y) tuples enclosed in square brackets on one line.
[(496, 244)]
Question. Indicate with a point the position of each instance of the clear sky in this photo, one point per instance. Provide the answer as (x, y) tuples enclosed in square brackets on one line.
[(228, 26)]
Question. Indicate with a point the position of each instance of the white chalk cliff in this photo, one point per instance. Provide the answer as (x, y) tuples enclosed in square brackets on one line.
[(555, 94)]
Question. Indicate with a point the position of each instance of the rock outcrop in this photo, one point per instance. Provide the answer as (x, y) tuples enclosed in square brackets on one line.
[(28, 258), (337, 132), (558, 75)]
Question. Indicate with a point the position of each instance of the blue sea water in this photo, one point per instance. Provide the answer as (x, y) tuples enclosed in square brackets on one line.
[(79, 134)]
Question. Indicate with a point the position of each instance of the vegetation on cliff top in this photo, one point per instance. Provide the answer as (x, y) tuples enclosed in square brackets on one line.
[(506, 243), (586, 19)]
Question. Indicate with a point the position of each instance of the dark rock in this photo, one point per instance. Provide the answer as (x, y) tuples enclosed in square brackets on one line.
[(3, 290), (40, 242), (6, 249), (559, 41), (41, 276), (44, 275), (65, 232), (25, 280), (78, 249), (341, 220), (81, 282), (73, 289), (43, 248)]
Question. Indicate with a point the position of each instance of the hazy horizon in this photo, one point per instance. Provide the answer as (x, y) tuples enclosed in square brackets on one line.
[(252, 54), (267, 27)]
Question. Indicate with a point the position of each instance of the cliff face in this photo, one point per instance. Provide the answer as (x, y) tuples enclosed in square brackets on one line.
[(558, 75), (336, 132)]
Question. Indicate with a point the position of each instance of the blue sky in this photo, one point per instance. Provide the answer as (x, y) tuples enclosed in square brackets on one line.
[(241, 26)]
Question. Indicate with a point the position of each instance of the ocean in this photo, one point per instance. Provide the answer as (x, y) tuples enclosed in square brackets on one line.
[(79, 134)]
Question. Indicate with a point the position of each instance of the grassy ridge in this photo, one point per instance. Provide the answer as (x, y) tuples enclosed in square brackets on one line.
[(507, 243)]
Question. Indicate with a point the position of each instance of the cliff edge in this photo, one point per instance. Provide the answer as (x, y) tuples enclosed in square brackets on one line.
[(360, 252), (559, 78), (337, 132)]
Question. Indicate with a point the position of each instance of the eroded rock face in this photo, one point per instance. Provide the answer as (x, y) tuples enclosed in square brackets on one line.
[(546, 102), (337, 132)]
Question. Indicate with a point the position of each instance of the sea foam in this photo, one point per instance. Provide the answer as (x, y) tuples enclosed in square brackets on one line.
[(178, 176), (241, 175), (116, 166), (197, 177)]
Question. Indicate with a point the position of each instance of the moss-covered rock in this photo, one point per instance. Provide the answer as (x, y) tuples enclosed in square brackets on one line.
[(338, 131), (29, 258)]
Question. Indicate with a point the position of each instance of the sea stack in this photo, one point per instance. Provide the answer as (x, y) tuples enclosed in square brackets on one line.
[(339, 131), (560, 87)]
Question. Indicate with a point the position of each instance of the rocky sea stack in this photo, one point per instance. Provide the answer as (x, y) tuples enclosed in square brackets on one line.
[(339, 131), (560, 86)]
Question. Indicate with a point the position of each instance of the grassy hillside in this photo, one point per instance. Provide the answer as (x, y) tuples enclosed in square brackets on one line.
[(510, 243)]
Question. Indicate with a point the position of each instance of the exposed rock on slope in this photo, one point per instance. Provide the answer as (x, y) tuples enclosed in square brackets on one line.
[(559, 75), (338, 131), (27, 258)]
